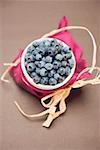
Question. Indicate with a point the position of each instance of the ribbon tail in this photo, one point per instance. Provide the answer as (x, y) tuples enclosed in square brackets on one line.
[(58, 98), (95, 80), (35, 115), (10, 65)]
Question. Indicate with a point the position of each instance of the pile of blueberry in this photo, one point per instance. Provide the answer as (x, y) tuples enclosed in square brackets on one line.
[(48, 62)]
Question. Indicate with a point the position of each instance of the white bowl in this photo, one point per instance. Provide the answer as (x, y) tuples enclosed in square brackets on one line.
[(41, 86)]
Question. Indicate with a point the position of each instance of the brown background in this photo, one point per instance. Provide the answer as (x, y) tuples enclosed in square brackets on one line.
[(78, 129)]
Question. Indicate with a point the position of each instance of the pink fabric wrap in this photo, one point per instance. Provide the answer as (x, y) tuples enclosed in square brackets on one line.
[(18, 76)]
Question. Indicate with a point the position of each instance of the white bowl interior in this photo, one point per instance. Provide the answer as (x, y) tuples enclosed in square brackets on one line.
[(41, 86)]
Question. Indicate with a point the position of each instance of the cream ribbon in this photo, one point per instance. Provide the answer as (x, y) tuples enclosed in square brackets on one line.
[(10, 65), (58, 97)]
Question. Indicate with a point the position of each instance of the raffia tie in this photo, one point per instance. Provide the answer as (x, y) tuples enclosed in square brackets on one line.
[(59, 97)]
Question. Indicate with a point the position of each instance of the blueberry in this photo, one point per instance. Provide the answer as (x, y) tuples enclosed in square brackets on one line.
[(51, 73), (49, 66), (52, 81), (30, 67), (35, 52), (64, 63), (67, 56), (70, 63), (43, 72), (68, 71), (56, 64), (53, 42), (37, 70), (30, 49), (65, 49), (35, 44), (44, 80), (48, 59), (38, 57), (33, 48), (58, 48), (33, 74), (43, 59), (42, 44), (61, 46), (59, 57), (61, 79), (25, 63), (56, 76), (50, 52), (61, 71), (42, 51), (29, 57), (55, 52), (47, 43), (36, 79), (41, 64), (37, 49), (45, 54), (36, 63)]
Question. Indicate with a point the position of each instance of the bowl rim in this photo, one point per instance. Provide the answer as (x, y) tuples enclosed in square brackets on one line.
[(41, 86)]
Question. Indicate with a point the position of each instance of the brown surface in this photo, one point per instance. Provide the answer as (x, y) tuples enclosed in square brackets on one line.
[(78, 128)]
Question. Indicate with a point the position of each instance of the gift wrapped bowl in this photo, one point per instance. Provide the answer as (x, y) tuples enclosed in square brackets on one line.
[(48, 63)]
